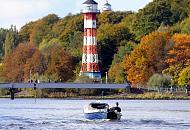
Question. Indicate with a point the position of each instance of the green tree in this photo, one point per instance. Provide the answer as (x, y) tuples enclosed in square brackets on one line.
[(185, 26), (187, 3), (112, 17), (184, 77), (1, 76), (84, 79), (116, 71), (25, 32), (3, 33), (159, 81), (68, 27), (43, 29), (157, 12), (11, 40), (173, 71), (109, 37), (46, 44)]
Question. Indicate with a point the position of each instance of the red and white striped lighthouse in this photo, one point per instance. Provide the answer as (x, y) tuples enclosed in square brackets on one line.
[(90, 65)]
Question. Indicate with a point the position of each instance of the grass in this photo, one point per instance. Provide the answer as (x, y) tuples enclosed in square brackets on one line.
[(124, 96)]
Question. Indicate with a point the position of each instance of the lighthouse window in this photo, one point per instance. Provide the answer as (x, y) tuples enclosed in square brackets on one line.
[(94, 23)]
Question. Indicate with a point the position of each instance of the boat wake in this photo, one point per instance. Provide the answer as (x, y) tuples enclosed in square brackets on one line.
[(96, 121)]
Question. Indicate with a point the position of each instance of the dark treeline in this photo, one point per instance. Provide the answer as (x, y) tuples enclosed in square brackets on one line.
[(150, 47)]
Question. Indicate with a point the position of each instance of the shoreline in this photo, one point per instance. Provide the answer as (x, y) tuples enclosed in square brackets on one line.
[(114, 96), (134, 97)]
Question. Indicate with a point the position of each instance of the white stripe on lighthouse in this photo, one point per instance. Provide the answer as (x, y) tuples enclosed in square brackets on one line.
[(90, 41), (89, 23), (90, 58)]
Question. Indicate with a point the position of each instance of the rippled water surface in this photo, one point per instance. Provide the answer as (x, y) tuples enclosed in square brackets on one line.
[(53, 114)]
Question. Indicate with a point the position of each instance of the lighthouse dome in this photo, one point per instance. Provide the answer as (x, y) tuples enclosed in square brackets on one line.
[(90, 2)]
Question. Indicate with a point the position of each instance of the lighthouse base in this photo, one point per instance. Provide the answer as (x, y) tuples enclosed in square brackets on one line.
[(93, 75)]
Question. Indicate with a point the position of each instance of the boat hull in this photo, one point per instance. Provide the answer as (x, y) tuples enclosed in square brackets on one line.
[(95, 115)]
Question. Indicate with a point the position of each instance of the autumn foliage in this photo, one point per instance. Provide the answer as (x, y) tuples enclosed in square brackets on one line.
[(178, 56), (180, 53), (27, 59), (147, 58), (132, 46), (15, 62)]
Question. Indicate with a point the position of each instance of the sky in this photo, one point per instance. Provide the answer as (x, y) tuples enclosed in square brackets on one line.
[(20, 12)]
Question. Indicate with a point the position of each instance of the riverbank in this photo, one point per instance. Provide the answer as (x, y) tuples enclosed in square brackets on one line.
[(123, 96)]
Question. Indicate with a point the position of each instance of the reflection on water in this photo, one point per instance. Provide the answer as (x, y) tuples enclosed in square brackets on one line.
[(50, 114)]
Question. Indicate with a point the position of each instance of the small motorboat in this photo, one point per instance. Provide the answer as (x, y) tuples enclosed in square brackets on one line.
[(95, 111)]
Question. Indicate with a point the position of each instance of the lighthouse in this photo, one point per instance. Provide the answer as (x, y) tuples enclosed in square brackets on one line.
[(106, 7), (90, 66)]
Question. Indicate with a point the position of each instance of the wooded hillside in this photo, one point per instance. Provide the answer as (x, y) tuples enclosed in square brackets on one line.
[(132, 46)]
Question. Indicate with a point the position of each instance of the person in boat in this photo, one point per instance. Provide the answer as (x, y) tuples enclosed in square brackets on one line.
[(117, 108)]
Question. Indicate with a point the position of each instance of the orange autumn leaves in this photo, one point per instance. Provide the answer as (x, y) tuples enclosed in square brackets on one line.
[(26, 59), (180, 53), (155, 53)]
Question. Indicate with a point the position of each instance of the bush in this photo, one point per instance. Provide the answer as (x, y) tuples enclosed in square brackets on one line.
[(158, 80)]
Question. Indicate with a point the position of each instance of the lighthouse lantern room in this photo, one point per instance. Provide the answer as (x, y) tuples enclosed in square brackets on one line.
[(90, 66)]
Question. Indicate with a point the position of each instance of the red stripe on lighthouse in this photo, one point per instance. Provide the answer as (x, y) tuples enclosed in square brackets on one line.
[(90, 67), (90, 49), (90, 32), (90, 16)]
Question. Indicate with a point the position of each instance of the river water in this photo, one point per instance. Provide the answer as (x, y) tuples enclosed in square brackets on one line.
[(54, 114)]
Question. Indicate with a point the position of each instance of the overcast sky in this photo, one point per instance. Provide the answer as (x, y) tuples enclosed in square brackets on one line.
[(20, 12)]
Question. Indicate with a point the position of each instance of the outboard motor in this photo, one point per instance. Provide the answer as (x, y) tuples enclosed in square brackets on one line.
[(114, 112)]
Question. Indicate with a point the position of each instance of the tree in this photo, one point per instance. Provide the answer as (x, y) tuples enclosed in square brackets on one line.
[(35, 65), (185, 26), (59, 62), (187, 3), (25, 32), (158, 80), (173, 71), (71, 25), (109, 37), (11, 40), (14, 63), (112, 17), (43, 29), (184, 77), (3, 33), (47, 44), (84, 79), (131, 17), (116, 71), (178, 56), (157, 12), (1, 70), (147, 58)]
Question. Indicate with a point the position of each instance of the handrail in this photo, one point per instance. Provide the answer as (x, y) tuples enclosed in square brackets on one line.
[(64, 85)]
